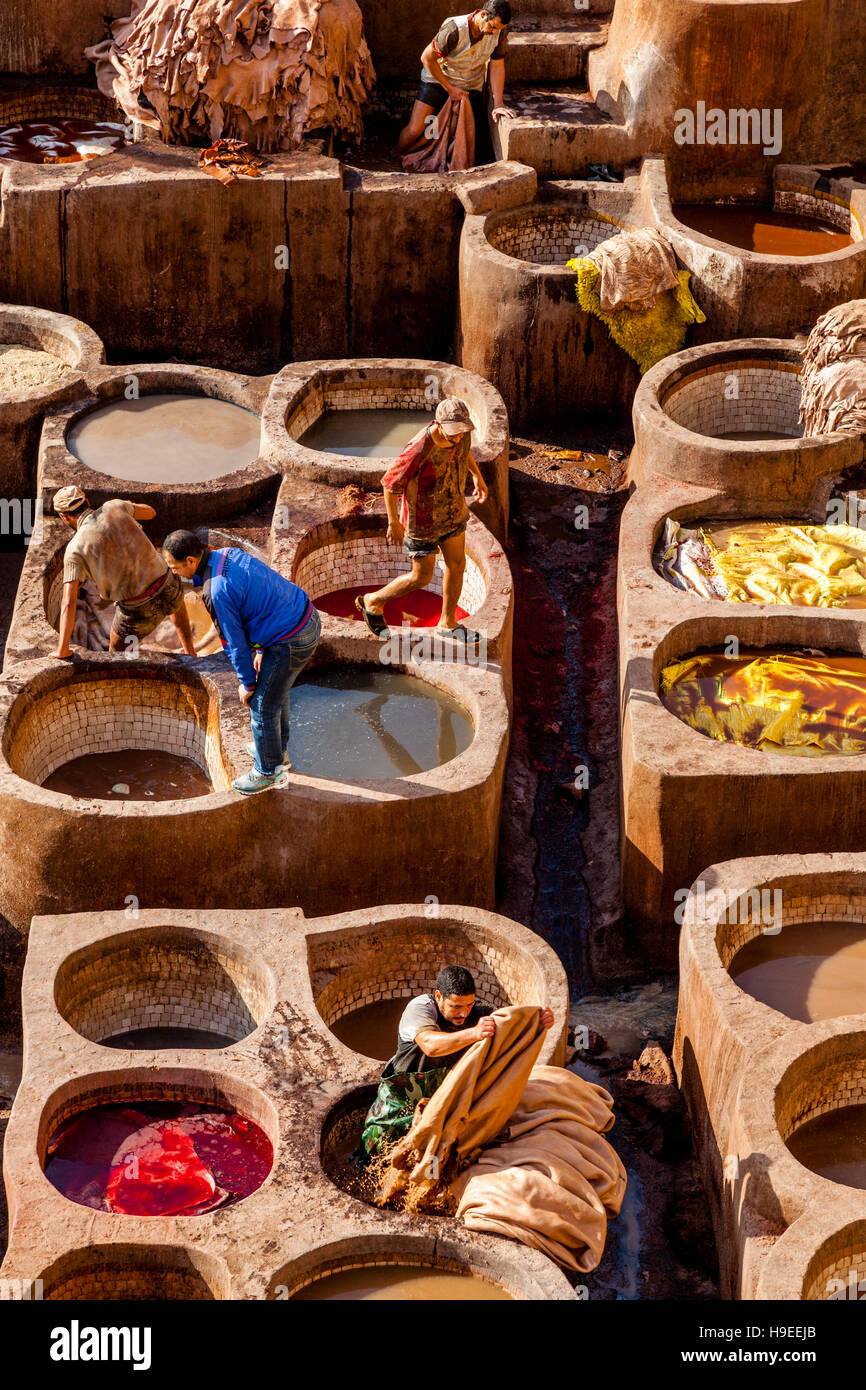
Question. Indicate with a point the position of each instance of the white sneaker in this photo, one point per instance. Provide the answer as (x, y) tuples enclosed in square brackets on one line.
[(251, 749)]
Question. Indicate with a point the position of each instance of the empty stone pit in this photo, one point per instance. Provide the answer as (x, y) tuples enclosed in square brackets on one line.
[(140, 1273), (164, 988), (520, 322)]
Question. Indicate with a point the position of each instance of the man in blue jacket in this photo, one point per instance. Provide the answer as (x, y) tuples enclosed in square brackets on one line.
[(269, 629)]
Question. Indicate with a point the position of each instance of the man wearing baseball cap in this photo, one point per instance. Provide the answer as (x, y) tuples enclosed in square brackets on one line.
[(431, 475), (110, 548)]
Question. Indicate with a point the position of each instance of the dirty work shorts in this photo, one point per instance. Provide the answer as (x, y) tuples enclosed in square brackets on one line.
[(417, 549), (431, 94), (141, 619)]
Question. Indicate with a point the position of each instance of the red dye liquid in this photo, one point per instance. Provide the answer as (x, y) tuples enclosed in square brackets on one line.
[(159, 1158), (60, 141), (421, 609)]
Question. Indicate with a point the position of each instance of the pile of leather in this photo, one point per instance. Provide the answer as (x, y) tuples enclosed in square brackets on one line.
[(513, 1148), (264, 73), (834, 373)]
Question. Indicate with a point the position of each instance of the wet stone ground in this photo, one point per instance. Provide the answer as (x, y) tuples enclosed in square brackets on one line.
[(559, 850), (559, 853)]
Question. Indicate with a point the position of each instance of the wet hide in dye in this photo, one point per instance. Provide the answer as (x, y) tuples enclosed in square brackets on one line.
[(555, 1182), (782, 702), (453, 146), (262, 71), (768, 562), (514, 1148), (634, 268)]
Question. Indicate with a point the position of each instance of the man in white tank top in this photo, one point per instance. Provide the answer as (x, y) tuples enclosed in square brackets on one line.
[(456, 64)]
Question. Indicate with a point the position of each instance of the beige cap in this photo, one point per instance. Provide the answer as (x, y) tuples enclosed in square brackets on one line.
[(452, 415), (68, 499)]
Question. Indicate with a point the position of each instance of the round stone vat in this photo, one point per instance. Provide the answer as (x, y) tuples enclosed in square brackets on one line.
[(164, 987), (44, 359), (509, 1270), (303, 393), (726, 416), (837, 1270), (101, 1135), (98, 854), (359, 974), (38, 101), (179, 500), (787, 284), (820, 1108), (84, 124), (520, 323), (820, 1259), (143, 1273)]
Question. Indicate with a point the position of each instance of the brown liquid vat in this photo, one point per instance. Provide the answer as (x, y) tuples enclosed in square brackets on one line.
[(281, 1075), (752, 1077), (178, 504)]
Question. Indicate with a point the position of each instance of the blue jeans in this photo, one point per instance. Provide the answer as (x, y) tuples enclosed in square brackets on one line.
[(269, 708)]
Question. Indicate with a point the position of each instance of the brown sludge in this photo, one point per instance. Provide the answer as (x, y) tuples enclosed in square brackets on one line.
[(808, 971), (403, 1282), (371, 1030), (167, 438), (149, 773)]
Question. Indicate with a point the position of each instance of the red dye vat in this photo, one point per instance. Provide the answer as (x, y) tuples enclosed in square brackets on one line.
[(421, 609), (60, 141), (159, 1158)]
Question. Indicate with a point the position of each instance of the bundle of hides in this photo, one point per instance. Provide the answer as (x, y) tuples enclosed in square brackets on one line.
[(631, 282), (780, 702), (513, 1148), (452, 145), (834, 373), (262, 71), (781, 562)]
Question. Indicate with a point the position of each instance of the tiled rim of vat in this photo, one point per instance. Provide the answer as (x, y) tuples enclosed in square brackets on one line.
[(134, 1272), (287, 1064), (801, 189), (212, 498), (724, 1034), (42, 98), (294, 546), (662, 446), (409, 378), (816, 1254), (43, 330), (608, 222)]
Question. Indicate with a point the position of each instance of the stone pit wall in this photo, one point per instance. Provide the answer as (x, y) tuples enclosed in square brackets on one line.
[(751, 1075), (299, 1225)]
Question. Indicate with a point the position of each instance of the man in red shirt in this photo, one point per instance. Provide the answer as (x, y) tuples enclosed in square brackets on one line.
[(431, 475)]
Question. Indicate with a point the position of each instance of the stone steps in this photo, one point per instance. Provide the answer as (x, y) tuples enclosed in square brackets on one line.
[(558, 130), (547, 48)]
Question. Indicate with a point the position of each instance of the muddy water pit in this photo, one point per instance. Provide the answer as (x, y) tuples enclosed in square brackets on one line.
[(167, 438), (808, 971), (400, 1282), (834, 1145), (158, 1158), (372, 1029), (365, 433), (60, 140), (155, 1038), (368, 724), (130, 774), (761, 229)]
